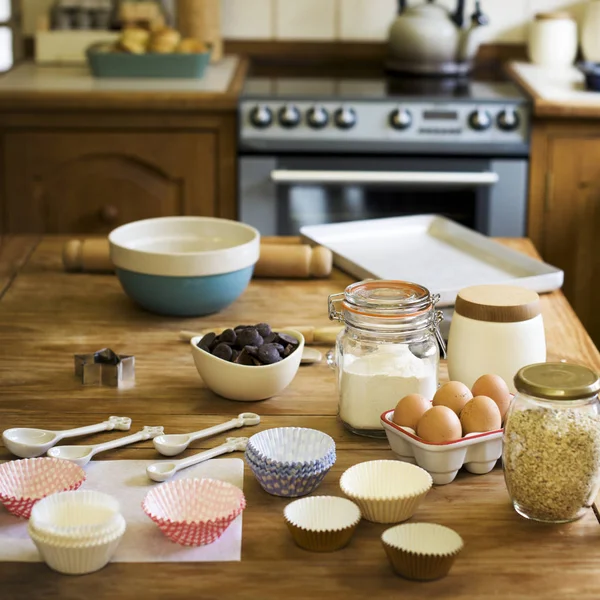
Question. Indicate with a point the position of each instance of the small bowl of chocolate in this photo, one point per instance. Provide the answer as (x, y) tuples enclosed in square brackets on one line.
[(248, 362)]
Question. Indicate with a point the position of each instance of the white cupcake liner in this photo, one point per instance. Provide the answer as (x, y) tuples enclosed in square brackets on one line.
[(291, 445), (77, 558), (322, 523), (75, 515), (24, 482), (386, 491), (421, 551)]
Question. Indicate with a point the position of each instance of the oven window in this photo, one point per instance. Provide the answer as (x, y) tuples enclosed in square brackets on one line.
[(301, 205)]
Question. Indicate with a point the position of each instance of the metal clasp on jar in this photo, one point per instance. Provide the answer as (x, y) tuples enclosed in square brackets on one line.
[(438, 317), (334, 314)]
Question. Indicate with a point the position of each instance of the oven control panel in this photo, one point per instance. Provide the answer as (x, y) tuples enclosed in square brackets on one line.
[(502, 126)]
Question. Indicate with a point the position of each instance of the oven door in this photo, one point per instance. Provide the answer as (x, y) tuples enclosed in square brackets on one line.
[(280, 194)]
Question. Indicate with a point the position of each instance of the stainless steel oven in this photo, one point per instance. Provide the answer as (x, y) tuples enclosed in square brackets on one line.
[(331, 150), (280, 194)]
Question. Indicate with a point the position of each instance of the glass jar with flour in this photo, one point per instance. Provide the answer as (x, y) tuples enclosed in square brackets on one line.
[(389, 348)]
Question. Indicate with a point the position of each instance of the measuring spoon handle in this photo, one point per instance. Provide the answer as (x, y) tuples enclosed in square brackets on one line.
[(146, 434), (119, 423), (229, 446)]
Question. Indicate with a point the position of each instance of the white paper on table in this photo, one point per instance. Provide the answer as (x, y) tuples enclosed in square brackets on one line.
[(127, 481)]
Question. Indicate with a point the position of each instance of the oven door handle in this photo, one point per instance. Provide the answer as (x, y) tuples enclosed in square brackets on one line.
[(435, 178)]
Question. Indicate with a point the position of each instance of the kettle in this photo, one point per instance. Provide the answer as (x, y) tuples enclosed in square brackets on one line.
[(430, 40)]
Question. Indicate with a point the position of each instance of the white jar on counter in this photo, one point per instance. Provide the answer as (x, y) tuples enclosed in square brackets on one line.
[(495, 329), (553, 39), (387, 349)]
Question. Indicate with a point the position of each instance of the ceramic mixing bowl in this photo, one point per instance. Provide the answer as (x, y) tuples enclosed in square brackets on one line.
[(243, 382), (184, 266)]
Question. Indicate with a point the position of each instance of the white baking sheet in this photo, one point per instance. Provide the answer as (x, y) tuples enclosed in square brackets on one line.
[(127, 481), (432, 251)]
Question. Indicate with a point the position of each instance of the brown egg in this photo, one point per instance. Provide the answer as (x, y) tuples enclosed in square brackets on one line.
[(439, 424), (454, 395), (494, 387), (410, 409), (480, 414)]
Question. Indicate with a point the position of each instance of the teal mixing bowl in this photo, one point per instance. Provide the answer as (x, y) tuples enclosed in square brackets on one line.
[(184, 266)]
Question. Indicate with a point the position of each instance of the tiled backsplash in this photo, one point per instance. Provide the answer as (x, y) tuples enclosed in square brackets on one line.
[(361, 20)]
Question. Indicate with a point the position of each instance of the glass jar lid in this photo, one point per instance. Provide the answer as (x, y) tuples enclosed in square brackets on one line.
[(557, 381), (393, 299)]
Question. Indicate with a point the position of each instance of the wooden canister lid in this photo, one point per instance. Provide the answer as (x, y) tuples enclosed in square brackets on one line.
[(498, 303)]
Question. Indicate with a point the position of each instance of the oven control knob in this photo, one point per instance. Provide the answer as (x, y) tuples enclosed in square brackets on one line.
[(317, 117), (480, 120), (289, 116), (261, 117), (345, 118), (508, 119), (400, 118)]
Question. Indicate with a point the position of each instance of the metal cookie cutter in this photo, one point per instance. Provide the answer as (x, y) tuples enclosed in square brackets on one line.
[(105, 367)]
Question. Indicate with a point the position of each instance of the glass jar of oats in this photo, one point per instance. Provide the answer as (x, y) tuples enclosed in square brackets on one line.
[(551, 454)]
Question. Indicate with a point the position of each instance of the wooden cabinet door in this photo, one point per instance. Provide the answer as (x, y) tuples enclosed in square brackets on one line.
[(571, 222), (72, 182)]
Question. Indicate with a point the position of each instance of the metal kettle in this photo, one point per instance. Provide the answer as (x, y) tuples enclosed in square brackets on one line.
[(430, 40)]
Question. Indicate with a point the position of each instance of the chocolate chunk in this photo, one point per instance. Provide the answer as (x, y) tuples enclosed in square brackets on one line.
[(207, 340), (243, 358), (249, 337), (223, 351), (264, 329), (288, 350), (251, 350), (256, 362), (235, 354), (272, 337), (240, 327), (285, 339), (229, 336), (268, 354), (279, 347)]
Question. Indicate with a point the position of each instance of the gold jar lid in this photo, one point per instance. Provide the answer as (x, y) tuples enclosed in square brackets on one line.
[(555, 15), (557, 381), (498, 303)]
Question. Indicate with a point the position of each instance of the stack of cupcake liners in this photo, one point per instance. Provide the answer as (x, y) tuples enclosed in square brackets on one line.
[(77, 532)]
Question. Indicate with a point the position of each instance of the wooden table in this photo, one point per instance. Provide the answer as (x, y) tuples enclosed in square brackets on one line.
[(47, 315)]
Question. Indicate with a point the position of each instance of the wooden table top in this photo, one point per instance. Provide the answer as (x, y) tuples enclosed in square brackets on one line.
[(46, 316)]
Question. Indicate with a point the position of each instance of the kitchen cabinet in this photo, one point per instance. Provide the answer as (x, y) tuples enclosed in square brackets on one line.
[(69, 182), (564, 208)]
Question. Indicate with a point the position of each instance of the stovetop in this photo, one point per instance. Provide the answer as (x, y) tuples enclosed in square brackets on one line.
[(383, 113)]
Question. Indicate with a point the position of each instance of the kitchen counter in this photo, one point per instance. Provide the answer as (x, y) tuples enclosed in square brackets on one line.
[(47, 315), (29, 86), (556, 92)]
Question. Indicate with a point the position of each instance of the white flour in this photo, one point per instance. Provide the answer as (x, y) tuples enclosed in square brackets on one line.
[(374, 383)]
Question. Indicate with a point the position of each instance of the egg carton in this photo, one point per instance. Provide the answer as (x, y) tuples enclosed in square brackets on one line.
[(477, 452)]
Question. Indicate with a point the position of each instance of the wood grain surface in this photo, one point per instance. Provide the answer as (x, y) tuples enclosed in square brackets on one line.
[(47, 315)]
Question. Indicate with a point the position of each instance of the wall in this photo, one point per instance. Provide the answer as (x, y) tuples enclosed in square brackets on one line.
[(345, 19)]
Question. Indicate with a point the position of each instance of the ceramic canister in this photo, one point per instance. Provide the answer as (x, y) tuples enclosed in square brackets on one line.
[(495, 329), (553, 39)]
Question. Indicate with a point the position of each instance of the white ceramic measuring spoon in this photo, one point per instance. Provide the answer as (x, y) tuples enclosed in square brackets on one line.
[(176, 443), (81, 455), (28, 442), (161, 471)]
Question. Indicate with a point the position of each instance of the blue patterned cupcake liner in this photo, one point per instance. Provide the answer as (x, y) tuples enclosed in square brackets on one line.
[(290, 468), (289, 485)]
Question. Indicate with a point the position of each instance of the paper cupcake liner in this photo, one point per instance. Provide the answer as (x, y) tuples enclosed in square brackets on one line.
[(421, 551), (288, 486), (25, 482), (296, 470), (77, 559), (82, 539), (322, 523), (325, 461), (76, 514), (387, 491), (194, 512), (285, 446)]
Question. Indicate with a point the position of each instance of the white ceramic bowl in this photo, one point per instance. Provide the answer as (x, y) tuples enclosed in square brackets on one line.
[(244, 382), (184, 266), (386, 491)]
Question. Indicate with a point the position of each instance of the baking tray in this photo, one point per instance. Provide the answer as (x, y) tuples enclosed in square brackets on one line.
[(168, 66), (432, 251)]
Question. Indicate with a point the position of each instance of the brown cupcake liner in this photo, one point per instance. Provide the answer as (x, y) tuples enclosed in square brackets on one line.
[(420, 567), (321, 541)]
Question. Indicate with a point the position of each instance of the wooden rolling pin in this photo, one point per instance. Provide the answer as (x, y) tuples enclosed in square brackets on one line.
[(297, 261), (312, 335)]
